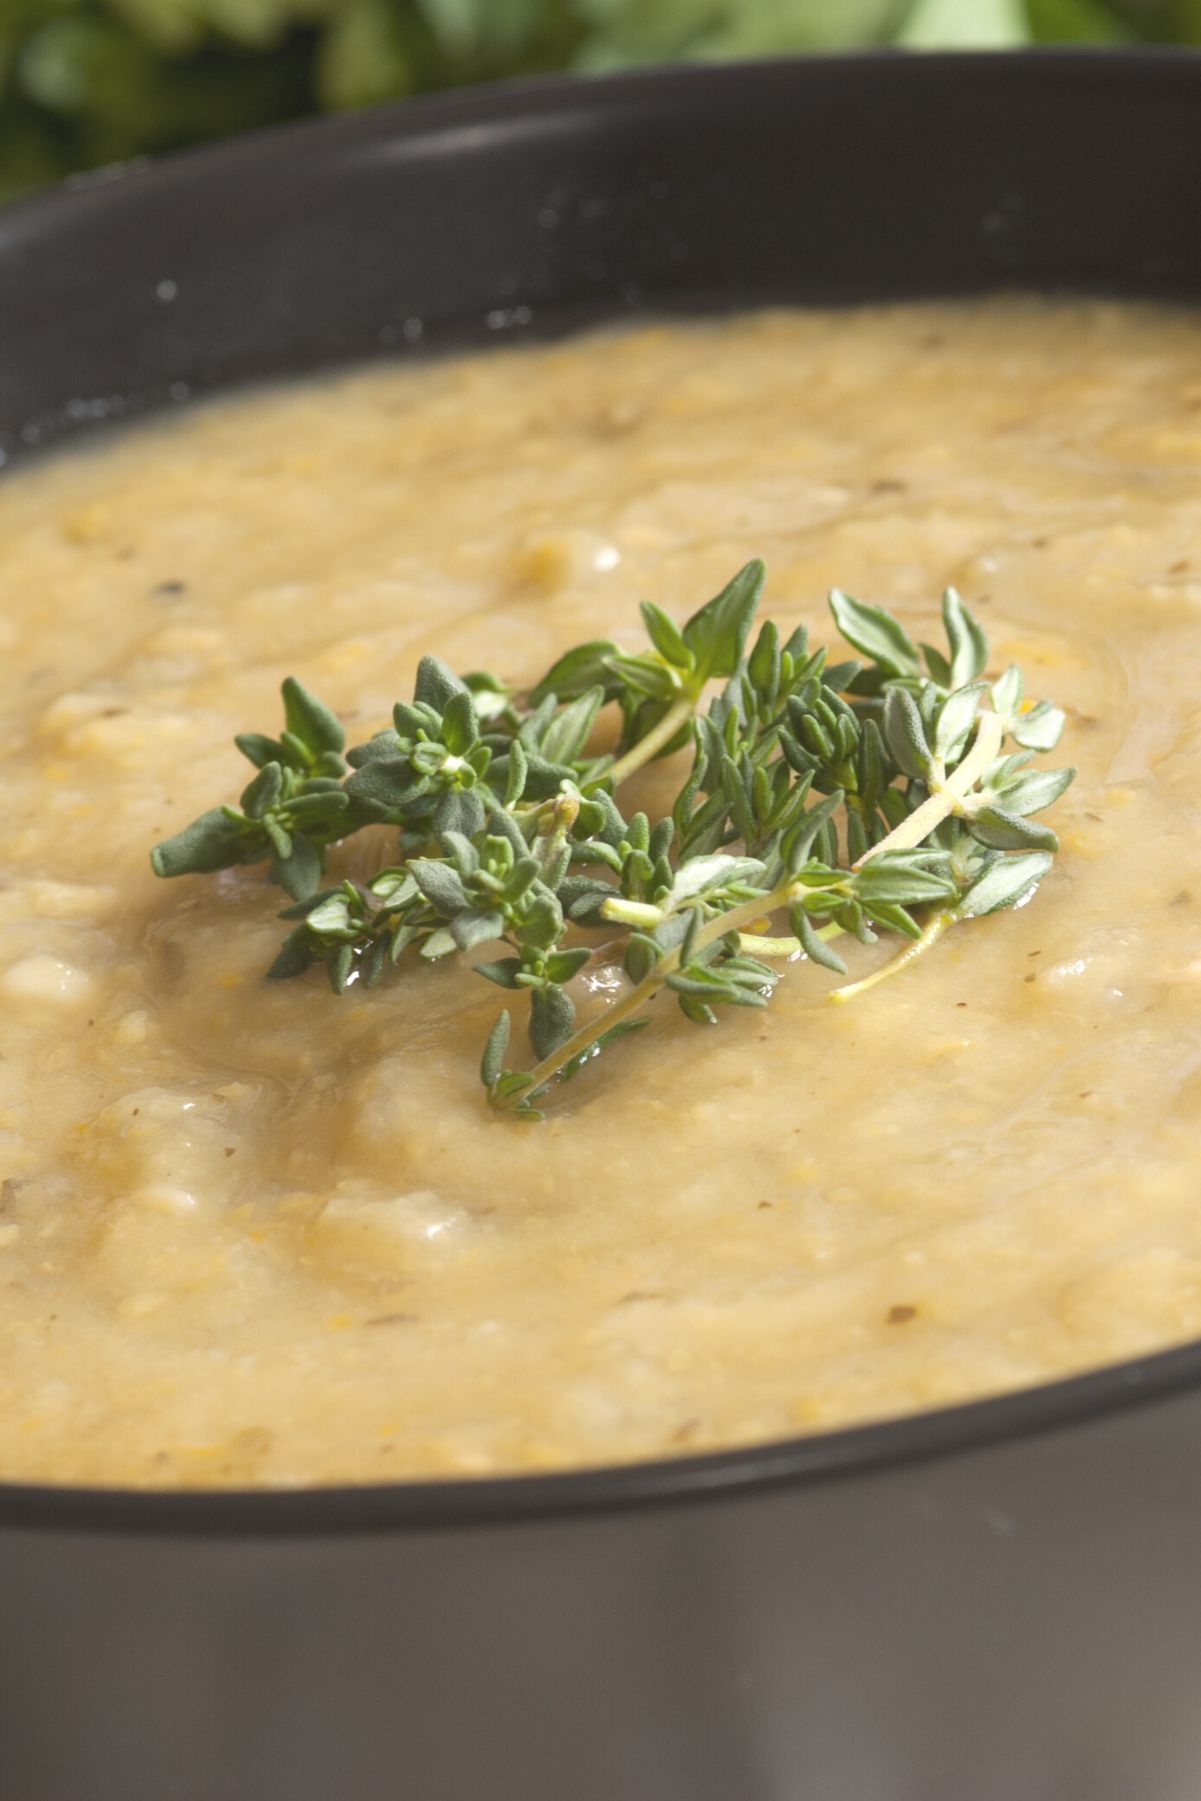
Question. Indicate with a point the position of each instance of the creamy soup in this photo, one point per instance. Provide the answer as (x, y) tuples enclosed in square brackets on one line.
[(254, 1233)]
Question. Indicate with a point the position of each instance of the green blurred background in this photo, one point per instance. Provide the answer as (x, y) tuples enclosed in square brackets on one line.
[(84, 82)]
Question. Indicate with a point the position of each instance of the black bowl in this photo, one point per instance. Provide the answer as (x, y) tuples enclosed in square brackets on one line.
[(1000, 1601)]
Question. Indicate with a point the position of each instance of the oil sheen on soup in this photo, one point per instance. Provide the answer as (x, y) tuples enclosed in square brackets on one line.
[(251, 1232)]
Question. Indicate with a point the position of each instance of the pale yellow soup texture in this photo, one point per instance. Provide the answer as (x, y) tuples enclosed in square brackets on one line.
[(253, 1233)]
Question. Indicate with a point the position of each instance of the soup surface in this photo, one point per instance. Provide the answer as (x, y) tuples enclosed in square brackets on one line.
[(254, 1233)]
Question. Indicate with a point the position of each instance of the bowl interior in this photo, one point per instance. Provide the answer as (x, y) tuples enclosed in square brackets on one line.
[(530, 210)]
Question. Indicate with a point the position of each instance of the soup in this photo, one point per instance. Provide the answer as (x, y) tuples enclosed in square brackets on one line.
[(253, 1233)]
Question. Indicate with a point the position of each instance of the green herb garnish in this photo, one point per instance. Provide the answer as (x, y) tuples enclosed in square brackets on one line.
[(846, 798)]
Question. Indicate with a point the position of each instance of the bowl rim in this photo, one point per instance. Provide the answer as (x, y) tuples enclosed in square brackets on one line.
[(1069, 1404), (526, 98), (1072, 1403)]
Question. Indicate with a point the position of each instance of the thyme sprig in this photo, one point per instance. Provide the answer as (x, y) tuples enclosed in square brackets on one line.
[(838, 799)]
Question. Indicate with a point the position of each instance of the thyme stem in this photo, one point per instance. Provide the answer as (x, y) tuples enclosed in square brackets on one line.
[(678, 714), (649, 986), (755, 946), (948, 794), (915, 948)]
